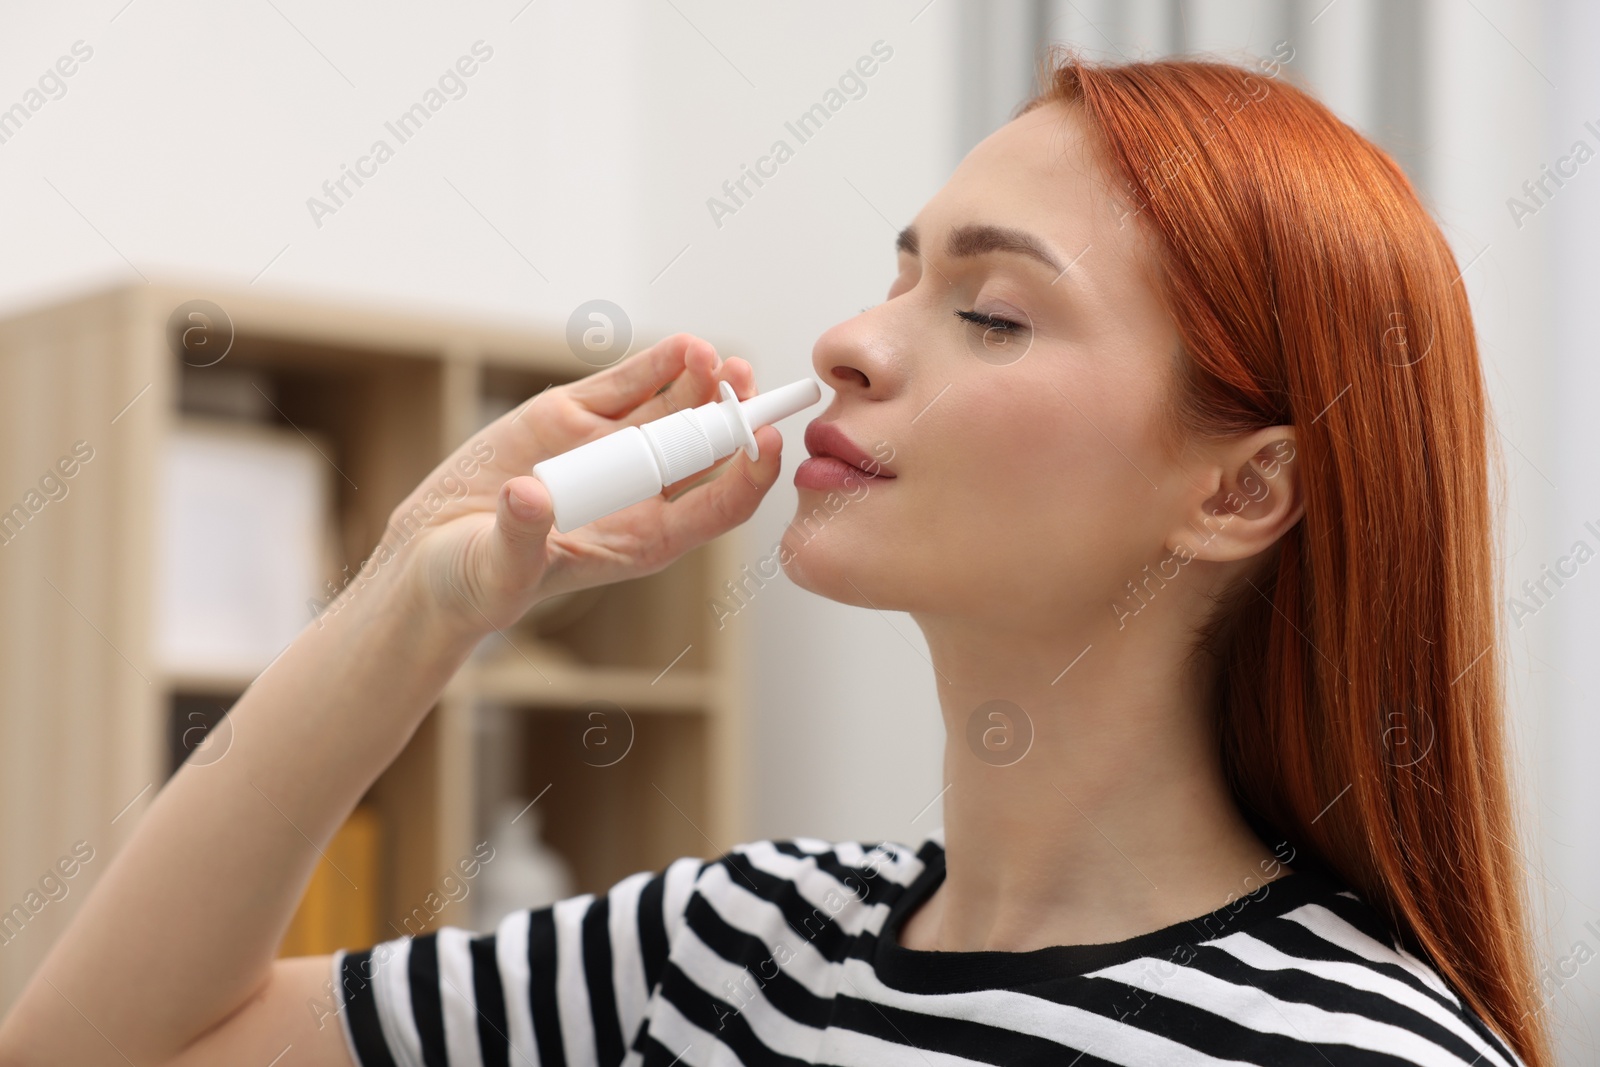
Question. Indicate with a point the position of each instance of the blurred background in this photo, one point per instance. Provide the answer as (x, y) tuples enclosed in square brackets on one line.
[(220, 346)]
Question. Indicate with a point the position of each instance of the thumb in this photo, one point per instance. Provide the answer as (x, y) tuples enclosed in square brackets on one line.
[(522, 522)]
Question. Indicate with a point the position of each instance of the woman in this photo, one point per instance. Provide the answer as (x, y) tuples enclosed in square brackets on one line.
[(1171, 437)]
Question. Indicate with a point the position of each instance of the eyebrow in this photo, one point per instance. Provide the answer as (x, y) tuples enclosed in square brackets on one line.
[(975, 240)]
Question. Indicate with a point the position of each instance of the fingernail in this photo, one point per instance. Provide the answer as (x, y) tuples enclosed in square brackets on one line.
[(523, 508)]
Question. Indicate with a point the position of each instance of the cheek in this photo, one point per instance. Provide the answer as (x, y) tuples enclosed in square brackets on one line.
[(1030, 490), (1019, 460)]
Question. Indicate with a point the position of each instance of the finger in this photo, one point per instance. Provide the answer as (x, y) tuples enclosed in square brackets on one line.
[(739, 374), (619, 389), (722, 468), (716, 506), (696, 385), (516, 545)]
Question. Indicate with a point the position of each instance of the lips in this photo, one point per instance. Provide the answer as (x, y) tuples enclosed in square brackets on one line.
[(826, 439)]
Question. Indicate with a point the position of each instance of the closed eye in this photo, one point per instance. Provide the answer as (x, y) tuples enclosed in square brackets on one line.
[(987, 321)]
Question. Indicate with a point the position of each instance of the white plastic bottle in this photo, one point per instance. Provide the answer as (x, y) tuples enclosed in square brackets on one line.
[(525, 872), (636, 462)]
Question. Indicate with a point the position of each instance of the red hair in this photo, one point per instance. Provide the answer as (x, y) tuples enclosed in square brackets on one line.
[(1359, 692)]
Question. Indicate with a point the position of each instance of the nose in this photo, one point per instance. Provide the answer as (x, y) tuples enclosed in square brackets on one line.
[(858, 356)]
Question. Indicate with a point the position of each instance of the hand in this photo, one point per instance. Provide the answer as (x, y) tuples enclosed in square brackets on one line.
[(488, 553)]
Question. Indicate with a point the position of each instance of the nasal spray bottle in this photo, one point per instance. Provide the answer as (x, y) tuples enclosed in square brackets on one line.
[(636, 462)]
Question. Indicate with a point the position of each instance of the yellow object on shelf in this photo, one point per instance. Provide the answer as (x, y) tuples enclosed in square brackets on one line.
[(340, 906)]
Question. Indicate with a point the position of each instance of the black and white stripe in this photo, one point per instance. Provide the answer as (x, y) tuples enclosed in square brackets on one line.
[(776, 953)]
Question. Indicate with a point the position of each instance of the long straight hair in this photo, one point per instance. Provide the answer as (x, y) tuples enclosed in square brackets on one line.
[(1359, 701)]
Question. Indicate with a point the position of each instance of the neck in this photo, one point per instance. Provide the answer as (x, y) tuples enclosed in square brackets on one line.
[(1116, 819)]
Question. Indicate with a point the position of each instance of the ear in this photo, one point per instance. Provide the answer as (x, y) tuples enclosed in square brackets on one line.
[(1247, 495)]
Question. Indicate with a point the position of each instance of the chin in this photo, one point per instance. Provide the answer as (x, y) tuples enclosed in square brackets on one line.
[(842, 561), (799, 553)]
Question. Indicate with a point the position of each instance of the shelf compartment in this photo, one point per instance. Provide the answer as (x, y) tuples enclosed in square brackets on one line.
[(610, 816)]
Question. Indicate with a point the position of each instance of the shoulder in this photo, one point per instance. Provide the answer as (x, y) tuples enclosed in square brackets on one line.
[(827, 893), (787, 868), (1329, 969)]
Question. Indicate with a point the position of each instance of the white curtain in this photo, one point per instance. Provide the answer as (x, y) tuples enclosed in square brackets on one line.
[(1365, 59)]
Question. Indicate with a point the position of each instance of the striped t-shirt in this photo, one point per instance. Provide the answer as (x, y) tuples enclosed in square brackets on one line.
[(787, 952)]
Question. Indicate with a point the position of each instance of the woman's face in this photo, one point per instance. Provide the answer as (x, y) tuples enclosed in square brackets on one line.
[(1030, 481)]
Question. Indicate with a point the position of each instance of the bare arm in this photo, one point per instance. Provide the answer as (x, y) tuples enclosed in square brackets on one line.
[(171, 959)]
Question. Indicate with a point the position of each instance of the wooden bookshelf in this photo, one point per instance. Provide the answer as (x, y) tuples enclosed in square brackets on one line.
[(89, 719)]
